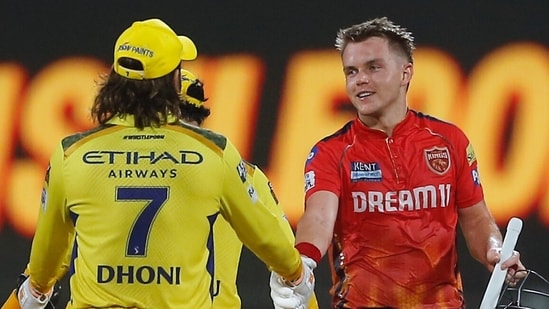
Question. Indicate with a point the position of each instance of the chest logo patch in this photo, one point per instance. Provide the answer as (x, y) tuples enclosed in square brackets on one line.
[(438, 159), (365, 171)]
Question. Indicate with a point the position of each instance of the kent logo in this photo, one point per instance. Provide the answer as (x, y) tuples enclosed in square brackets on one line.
[(365, 171)]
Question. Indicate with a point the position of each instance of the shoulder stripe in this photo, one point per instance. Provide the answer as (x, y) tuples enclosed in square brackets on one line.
[(72, 142), (250, 168), (430, 118), (216, 142), (339, 132)]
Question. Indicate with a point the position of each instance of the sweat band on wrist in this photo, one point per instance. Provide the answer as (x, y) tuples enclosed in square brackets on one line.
[(310, 250)]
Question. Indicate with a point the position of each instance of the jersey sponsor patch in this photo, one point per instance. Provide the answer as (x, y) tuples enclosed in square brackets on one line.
[(253, 194), (112, 157), (241, 169), (471, 156), (414, 199), (438, 159), (309, 180), (476, 176), (365, 171), (311, 155), (44, 199)]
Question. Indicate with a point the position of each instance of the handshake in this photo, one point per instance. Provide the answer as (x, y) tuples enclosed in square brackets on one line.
[(294, 295)]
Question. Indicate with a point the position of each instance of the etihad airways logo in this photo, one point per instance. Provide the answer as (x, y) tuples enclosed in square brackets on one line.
[(136, 157)]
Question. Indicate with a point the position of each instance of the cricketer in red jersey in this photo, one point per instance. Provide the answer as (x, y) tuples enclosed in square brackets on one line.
[(385, 193), (396, 227)]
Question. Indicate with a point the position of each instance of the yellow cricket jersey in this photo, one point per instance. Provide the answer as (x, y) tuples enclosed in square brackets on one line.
[(140, 207), (228, 247)]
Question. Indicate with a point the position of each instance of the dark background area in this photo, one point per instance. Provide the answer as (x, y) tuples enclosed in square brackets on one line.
[(35, 34)]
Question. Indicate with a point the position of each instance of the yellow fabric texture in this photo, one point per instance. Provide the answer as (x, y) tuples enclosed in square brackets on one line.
[(140, 207)]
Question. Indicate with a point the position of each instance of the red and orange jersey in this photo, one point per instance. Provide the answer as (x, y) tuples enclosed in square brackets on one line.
[(395, 236)]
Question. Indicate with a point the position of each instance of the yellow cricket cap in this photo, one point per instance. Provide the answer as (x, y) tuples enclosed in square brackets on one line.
[(187, 79), (155, 45)]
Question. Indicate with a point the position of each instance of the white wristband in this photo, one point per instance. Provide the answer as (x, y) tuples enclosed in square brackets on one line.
[(27, 300)]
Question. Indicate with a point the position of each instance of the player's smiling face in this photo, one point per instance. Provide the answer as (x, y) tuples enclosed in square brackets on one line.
[(375, 75)]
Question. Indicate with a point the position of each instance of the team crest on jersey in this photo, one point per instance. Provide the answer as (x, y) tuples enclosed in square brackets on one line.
[(241, 169), (438, 159), (365, 171)]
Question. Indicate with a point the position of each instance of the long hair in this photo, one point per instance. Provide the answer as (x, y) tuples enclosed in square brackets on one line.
[(194, 113), (149, 101)]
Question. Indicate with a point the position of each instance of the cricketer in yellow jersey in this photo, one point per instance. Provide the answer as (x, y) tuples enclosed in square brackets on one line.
[(227, 246), (126, 192)]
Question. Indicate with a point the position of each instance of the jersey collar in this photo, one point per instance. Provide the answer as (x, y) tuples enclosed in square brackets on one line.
[(401, 128), (128, 120)]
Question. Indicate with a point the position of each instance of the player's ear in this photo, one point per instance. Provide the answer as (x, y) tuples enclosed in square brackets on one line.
[(407, 73)]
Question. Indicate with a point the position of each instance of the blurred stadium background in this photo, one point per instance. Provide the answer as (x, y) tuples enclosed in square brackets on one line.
[(275, 87)]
